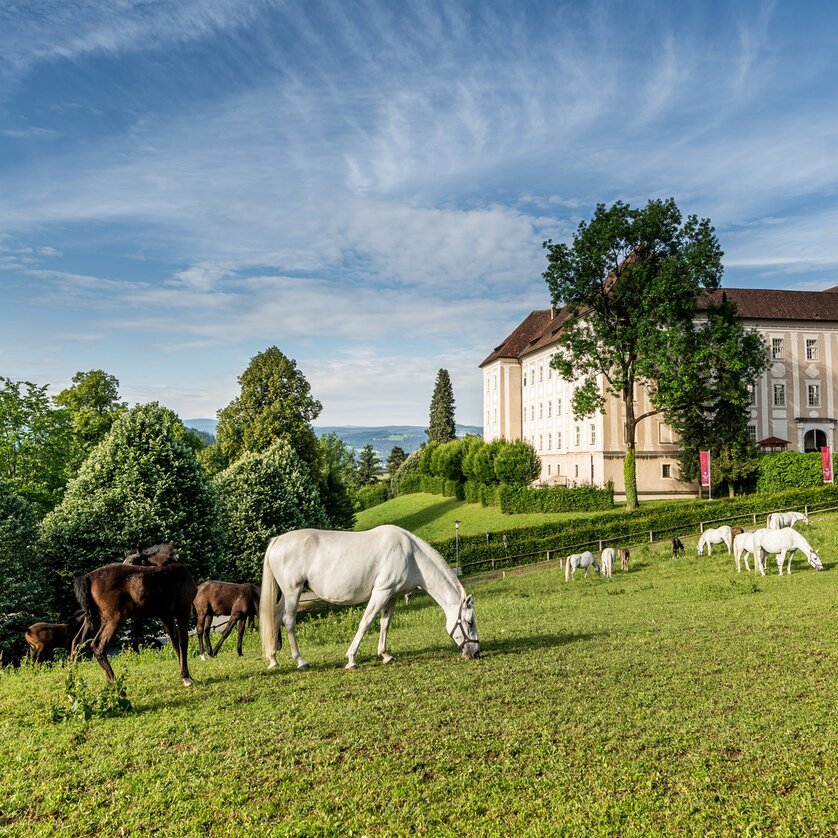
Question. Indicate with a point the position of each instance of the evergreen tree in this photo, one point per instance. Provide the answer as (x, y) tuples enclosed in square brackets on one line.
[(369, 466), (396, 457), (441, 427)]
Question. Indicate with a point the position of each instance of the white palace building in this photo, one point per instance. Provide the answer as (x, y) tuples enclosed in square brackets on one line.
[(793, 403)]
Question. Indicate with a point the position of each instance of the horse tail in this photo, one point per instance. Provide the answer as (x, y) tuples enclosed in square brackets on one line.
[(268, 607), (81, 588)]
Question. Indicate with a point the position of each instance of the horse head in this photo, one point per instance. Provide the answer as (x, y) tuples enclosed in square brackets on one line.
[(815, 561), (464, 629)]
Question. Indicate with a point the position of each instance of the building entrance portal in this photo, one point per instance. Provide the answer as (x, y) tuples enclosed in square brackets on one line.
[(814, 440)]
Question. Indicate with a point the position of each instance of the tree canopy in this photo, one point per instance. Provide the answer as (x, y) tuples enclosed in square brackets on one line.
[(369, 466), (630, 282)]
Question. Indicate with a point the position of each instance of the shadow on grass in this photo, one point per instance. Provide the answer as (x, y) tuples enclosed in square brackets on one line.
[(429, 514)]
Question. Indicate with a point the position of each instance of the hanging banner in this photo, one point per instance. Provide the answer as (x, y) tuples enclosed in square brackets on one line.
[(826, 464), (704, 459)]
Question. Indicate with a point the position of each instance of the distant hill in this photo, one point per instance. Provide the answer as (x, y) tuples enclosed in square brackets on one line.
[(382, 438)]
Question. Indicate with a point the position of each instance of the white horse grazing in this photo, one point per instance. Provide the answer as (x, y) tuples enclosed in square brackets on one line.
[(721, 535), (607, 561), (778, 520), (348, 568), (585, 560), (742, 545), (782, 542)]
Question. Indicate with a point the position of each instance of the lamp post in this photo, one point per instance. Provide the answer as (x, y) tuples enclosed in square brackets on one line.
[(457, 546)]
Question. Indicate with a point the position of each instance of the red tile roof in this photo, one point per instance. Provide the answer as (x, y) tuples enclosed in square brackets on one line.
[(541, 328)]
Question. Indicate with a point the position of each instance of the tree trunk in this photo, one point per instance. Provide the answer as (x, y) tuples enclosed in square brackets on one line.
[(630, 462)]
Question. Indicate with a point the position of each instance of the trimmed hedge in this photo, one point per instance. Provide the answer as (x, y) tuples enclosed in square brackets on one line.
[(623, 529), (515, 499), (482, 493), (790, 469), (372, 495)]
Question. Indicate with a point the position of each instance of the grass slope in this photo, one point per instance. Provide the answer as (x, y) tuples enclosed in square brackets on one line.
[(432, 516), (676, 699)]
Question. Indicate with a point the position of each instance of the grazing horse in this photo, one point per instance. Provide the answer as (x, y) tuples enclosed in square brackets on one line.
[(784, 543), (111, 593), (721, 535), (778, 520), (607, 561), (677, 547), (347, 568), (743, 543), (43, 639), (624, 554), (585, 560), (239, 601)]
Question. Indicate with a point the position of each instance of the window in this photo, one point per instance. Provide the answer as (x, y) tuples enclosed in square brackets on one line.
[(549, 442), (811, 349), (558, 407), (777, 349), (666, 470), (549, 409), (541, 372), (532, 412), (550, 367), (548, 469), (665, 434), (576, 471), (593, 434), (496, 381), (558, 439), (578, 435), (779, 395), (540, 410), (525, 379), (814, 393), (541, 442), (752, 432), (752, 394)]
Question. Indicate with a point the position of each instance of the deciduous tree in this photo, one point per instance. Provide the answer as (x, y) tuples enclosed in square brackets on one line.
[(630, 282)]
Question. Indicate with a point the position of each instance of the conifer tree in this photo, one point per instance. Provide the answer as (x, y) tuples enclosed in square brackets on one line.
[(441, 427)]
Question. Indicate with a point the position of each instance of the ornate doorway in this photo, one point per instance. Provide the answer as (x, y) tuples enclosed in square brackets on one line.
[(814, 440)]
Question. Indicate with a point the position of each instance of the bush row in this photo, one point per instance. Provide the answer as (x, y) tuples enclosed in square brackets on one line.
[(790, 469), (515, 499), (372, 495)]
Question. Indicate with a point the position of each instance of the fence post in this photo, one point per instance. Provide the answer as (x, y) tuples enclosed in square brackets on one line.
[(505, 548), (650, 537), (548, 555), (806, 510), (755, 518), (600, 545), (701, 526)]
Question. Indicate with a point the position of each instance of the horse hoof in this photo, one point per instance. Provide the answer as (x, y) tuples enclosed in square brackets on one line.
[(387, 658), (203, 657), (351, 667), (303, 665), (187, 682)]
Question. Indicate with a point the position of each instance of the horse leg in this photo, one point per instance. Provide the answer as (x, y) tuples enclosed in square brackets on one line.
[(378, 600), (781, 558), (199, 631), (386, 615), (183, 647), (241, 627), (99, 646), (288, 603), (231, 622)]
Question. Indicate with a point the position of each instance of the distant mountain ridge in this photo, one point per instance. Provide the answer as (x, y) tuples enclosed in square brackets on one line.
[(383, 438)]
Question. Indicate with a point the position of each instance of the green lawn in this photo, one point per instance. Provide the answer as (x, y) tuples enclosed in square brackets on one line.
[(680, 698), (432, 516)]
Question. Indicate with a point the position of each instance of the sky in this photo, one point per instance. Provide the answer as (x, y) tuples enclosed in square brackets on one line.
[(367, 185)]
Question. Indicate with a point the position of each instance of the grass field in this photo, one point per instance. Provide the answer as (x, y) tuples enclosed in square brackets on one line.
[(676, 699), (432, 516)]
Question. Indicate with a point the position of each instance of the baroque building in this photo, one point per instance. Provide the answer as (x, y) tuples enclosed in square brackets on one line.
[(792, 404)]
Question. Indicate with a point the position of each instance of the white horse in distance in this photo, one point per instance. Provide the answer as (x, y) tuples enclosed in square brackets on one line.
[(743, 544), (347, 568), (783, 543), (606, 561), (720, 535), (778, 520), (585, 560)]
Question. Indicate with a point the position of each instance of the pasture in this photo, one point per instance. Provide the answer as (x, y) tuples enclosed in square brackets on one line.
[(678, 698)]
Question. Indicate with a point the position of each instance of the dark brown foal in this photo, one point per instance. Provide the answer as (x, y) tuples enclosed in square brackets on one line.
[(214, 599)]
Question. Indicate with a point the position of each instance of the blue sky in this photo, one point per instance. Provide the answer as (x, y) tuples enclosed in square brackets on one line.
[(366, 185)]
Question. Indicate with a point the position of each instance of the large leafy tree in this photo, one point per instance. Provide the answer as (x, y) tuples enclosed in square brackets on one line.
[(25, 593), (441, 427), (275, 403), (630, 282), (36, 444), (141, 485), (338, 480), (260, 496), (93, 404), (720, 361)]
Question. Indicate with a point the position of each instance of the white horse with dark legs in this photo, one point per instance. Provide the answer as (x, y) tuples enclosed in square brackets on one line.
[(783, 543), (721, 535), (349, 568), (743, 544), (778, 520), (607, 561), (585, 560)]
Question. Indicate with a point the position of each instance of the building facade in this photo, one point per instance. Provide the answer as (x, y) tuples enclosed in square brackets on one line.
[(792, 403)]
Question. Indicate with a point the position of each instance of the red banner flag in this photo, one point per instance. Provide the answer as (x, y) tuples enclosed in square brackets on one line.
[(704, 459), (826, 463)]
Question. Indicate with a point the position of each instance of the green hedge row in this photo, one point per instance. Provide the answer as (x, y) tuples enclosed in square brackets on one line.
[(790, 469), (482, 493), (368, 496), (624, 529), (516, 499)]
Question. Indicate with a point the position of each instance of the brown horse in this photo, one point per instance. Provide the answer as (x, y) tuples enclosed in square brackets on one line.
[(240, 601), (156, 556), (111, 593), (44, 639)]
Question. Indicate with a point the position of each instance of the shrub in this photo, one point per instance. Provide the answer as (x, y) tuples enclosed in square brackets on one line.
[(516, 463), (446, 460), (789, 470), (406, 479), (516, 499), (371, 495), (426, 453), (260, 496)]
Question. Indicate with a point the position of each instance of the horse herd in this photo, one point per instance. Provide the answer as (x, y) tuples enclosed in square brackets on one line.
[(343, 568), (375, 567)]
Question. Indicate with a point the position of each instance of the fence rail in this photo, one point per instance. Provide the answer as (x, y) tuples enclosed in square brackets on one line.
[(629, 539)]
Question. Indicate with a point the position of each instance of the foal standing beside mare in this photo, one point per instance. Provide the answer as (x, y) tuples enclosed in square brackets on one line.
[(43, 639), (110, 594), (215, 599)]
